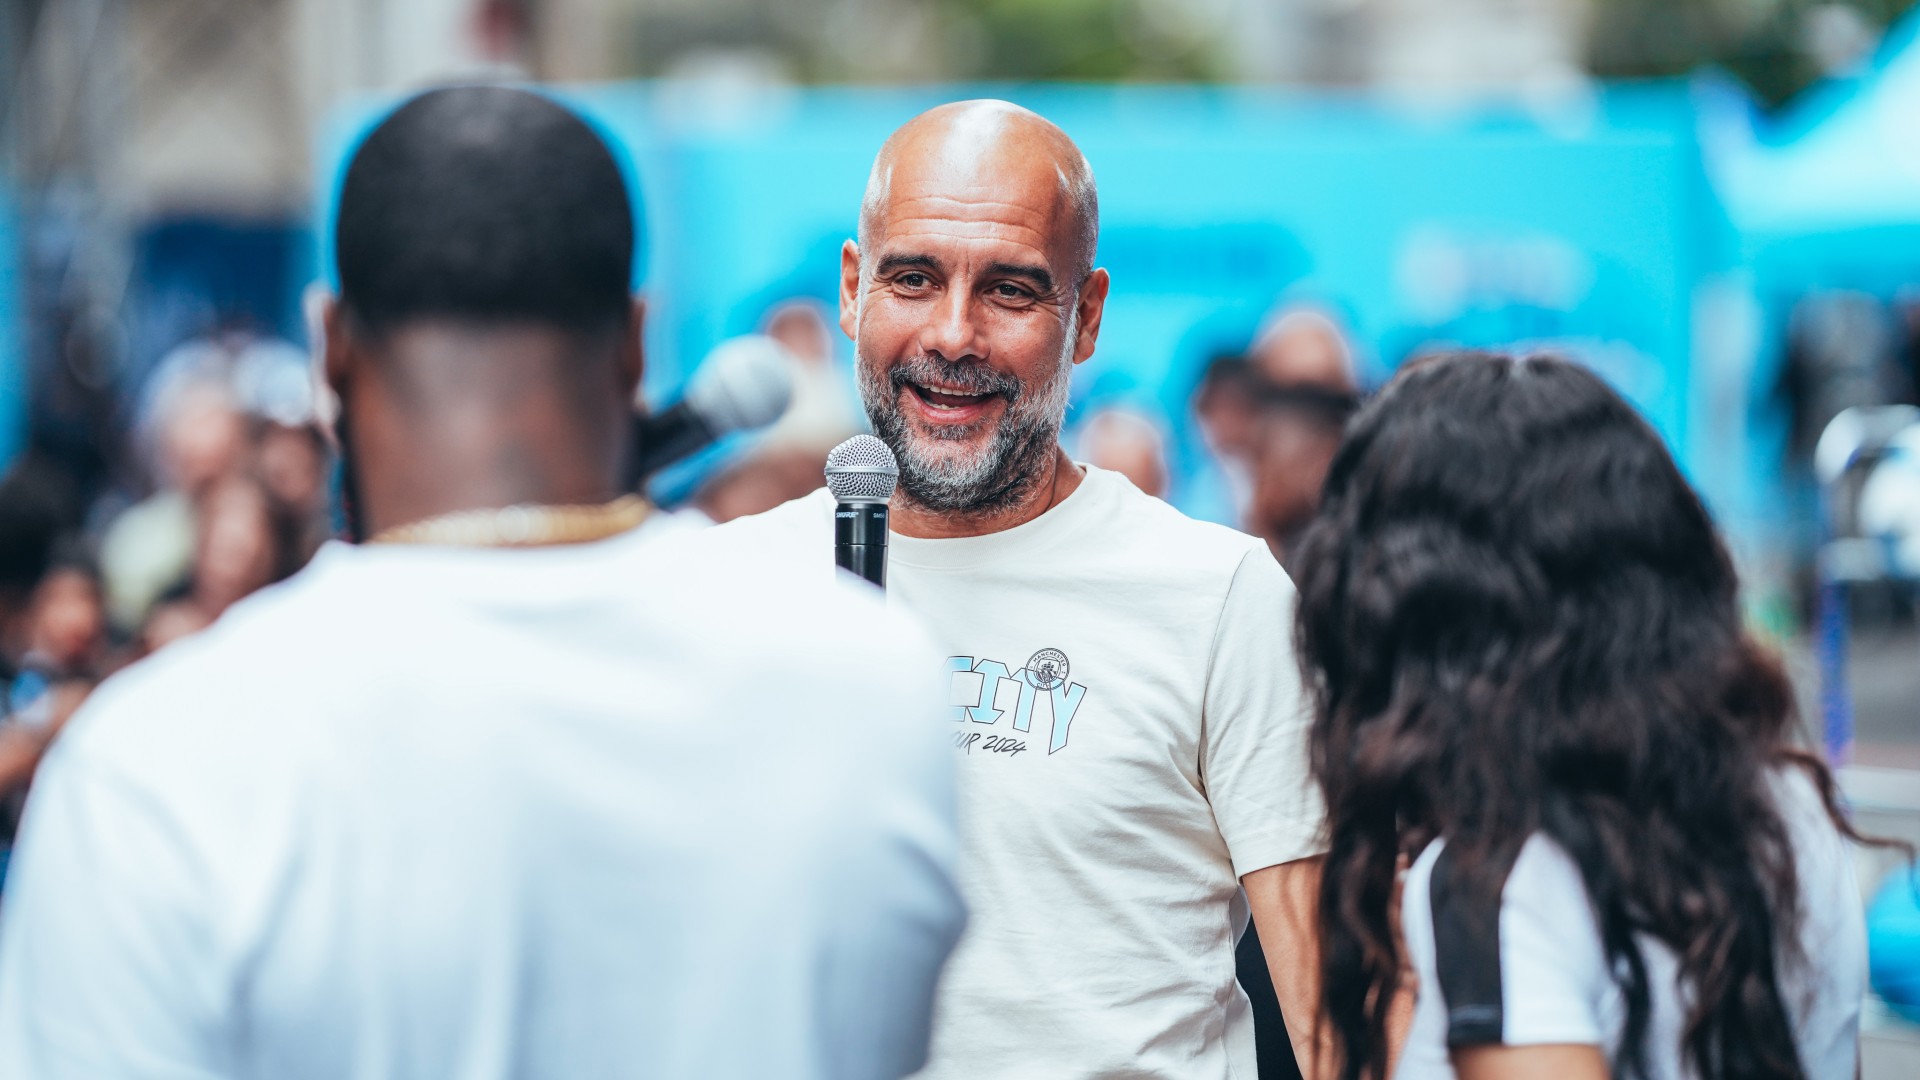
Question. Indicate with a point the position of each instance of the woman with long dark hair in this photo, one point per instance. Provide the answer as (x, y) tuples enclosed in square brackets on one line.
[(1530, 678)]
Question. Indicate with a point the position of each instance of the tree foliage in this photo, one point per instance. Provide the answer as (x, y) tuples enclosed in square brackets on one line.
[(1767, 43)]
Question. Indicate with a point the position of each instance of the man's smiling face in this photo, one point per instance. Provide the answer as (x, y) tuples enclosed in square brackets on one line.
[(963, 307)]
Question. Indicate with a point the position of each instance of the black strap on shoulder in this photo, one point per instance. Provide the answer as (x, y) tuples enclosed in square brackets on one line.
[(1466, 946)]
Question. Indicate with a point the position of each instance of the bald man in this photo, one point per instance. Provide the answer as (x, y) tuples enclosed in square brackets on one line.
[(1125, 706)]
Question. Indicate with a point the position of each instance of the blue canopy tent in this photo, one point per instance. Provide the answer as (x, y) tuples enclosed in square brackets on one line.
[(1830, 195)]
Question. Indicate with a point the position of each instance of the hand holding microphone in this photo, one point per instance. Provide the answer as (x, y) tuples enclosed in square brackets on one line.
[(861, 473), (744, 384)]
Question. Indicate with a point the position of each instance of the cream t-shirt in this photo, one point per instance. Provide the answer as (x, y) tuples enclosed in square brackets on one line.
[(1131, 736)]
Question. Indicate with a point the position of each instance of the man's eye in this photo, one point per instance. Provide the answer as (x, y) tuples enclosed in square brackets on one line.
[(1009, 291), (913, 281)]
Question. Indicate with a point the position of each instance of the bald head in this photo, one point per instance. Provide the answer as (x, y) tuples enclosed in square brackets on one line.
[(970, 296), (978, 150), (1305, 347)]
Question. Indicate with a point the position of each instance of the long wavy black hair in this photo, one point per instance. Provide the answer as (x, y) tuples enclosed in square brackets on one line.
[(1515, 618)]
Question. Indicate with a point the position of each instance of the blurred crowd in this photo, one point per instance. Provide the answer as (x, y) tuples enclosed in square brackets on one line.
[(232, 495), (232, 489)]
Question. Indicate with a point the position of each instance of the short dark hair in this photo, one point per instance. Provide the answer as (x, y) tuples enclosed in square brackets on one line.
[(484, 203)]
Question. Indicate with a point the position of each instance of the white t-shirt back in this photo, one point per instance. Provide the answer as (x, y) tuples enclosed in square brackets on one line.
[(1552, 982), (604, 810), (1130, 732)]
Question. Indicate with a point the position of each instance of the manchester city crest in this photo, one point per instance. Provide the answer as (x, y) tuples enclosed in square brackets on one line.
[(1048, 668)]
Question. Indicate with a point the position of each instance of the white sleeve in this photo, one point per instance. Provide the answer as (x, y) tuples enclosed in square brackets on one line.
[(1543, 979), (895, 911), (106, 943), (1253, 754), (1552, 955)]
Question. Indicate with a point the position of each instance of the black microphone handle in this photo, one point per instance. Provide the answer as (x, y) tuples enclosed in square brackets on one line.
[(860, 540), (662, 438)]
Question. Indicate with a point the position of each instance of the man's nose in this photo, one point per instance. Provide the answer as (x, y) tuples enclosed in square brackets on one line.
[(951, 330)]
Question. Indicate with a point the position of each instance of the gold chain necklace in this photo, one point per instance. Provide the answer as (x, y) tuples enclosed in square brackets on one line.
[(526, 525)]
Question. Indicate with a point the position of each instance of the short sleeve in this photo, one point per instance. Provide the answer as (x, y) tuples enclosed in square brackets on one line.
[(105, 946), (1254, 759), (1541, 976)]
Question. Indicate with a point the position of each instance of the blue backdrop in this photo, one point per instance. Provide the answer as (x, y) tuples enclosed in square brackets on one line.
[(1587, 229)]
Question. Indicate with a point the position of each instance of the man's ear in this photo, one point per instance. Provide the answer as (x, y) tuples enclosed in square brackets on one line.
[(1093, 304), (335, 357), (633, 351), (850, 290), (316, 305)]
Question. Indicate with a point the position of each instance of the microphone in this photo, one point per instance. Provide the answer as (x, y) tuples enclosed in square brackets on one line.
[(744, 384), (861, 473)]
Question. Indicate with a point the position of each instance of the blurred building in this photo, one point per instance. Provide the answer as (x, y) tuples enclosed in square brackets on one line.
[(1478, 45), (175, 105), (159, 160)]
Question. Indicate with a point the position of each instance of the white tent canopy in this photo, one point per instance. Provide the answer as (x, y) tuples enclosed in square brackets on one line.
[(1855, 164)]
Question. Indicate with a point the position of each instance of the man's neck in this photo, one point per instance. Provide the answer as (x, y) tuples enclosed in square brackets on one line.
[(479, 423), (1057, 479), (421, 499), (436, 478)]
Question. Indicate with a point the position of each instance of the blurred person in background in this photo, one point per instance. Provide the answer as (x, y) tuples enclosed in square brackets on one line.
[(1226, 405), (1306, 387), (824, 411), (174, 616), (1130, 443), (1131, 756), (766, 477), (65, 654), (197, 435), (233, 404), (292, 463), (236, 546), (1531, 678), (1905, 311), (1304, 345), (288, 450), (785, 461), (487, 795), (38, 508), (66, 622), (1843, 351), (50, 637)]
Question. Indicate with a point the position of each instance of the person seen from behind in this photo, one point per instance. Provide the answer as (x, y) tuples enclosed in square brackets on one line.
[(1530, 677), (517, 787)]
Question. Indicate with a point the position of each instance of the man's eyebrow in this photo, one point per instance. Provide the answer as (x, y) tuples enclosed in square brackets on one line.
[(1036, 274), (891, 263)]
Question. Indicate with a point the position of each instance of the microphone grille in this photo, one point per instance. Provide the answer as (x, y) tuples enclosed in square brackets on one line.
[(745, 383), (862, 469)]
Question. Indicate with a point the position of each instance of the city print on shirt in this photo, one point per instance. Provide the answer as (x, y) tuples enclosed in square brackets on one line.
[(1038, 694)]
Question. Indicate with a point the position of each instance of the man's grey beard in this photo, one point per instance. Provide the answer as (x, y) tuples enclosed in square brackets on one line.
[(1000, 474)]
